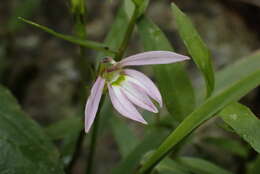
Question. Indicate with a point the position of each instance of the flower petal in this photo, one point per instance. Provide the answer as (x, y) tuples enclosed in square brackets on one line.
[(123, 105), (93, 102), (153, 57), (147, 84), (137, 95)]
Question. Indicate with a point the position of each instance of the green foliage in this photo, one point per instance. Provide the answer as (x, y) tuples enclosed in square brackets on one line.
[(25, 149), (189, 165), (168, 166), (196, 47), (124, 136), (117, 32), (237, 70), (207, 110), (172, 79), (244, 122), (134, 158), (200, 166), (228, 145), (61, 129)]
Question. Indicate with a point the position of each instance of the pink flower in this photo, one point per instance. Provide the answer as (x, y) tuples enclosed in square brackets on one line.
[(128, 88)]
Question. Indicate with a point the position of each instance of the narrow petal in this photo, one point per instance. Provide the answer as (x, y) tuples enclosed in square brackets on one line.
[(147, 84), (93, 102), (123, 105), (137, 95), (152, 57)]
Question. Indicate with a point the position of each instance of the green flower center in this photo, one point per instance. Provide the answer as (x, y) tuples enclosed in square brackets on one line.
[(119, 80)]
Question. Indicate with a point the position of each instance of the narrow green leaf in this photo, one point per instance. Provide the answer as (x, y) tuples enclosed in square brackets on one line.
[(228, 145), (169, 166), (200, 166), (207, 110), (196, 47), (116, 34), (233, 72), (85, 43), (173, 81), (237, 70), (25, 149), (244, 122)]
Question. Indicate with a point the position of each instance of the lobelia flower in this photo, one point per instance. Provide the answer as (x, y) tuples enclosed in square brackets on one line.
[(127, 87)]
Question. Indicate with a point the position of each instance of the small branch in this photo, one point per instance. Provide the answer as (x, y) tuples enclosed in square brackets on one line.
[(128, 35), (82, 42)]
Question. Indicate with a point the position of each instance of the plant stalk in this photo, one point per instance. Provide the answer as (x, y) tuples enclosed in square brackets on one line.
[(128, 35), (94, 136)]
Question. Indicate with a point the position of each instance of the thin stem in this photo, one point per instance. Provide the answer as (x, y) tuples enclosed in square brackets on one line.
[(128, 34), (85, 69), (76, 152), (94, 139), (76, 40)]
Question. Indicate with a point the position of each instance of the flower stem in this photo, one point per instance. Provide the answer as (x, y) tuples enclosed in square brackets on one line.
[(128, 34), (85, 68), (94, 136)]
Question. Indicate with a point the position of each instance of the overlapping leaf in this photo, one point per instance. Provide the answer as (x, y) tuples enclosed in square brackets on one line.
[(25, 149), (244, 122), (207, 110), (172, 79), (196, 47)]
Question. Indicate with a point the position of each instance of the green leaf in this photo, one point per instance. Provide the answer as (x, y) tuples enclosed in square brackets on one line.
[(117, 32), (207, 110), (124, 136), (244, 122), (25, 149), (237, 70), (189, 165), (85, 43), (59, 130), (228, 145), (67, 130), (25, 8), (172, 79), (196, 47), (169, 166), (130, 5), (133, 159), (233, 72), (200, 166)]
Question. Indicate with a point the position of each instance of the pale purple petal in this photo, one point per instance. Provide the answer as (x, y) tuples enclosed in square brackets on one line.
[(93, 102), (137, 95), (152, 57), (123, 105), (147, 84)]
